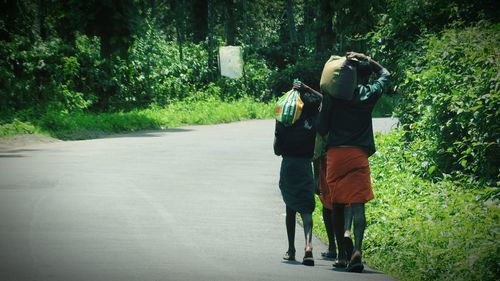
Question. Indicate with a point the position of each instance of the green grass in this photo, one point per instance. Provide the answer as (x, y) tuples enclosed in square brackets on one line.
[(423, 229), (80, 125), (17, 127)]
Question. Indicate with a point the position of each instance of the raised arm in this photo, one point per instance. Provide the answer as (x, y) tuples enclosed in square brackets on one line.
[(377, 67), (301, 86), (375, 89)]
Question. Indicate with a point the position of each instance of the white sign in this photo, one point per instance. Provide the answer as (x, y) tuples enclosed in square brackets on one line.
[(231, 61)]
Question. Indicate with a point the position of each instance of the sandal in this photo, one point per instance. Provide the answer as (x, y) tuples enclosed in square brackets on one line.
[(329, 255), (308, 258), (349, 247), (289, 256), (355, 265), (339, 264)]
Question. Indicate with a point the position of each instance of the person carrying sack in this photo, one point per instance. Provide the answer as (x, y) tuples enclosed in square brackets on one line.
[(347, 122), (295, 143)]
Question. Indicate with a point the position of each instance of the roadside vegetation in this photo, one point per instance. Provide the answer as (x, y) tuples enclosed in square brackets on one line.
[(80, 125)]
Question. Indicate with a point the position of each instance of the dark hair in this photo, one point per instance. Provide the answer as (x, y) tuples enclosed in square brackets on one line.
[(364, 69), (311, 103)]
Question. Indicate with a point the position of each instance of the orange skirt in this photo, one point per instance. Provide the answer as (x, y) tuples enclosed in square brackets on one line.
[(324, 191), (348, 175)]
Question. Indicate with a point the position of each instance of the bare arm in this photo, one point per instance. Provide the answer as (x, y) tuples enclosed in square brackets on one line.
[(377, 66), (301, 86)]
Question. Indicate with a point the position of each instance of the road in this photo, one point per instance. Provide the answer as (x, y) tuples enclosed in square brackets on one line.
[(192, 203)]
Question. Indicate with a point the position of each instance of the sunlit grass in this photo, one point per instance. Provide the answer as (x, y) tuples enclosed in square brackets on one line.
[(80, 125)]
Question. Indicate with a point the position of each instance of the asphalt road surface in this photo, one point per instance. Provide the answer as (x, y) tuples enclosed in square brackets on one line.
[(193, 203)]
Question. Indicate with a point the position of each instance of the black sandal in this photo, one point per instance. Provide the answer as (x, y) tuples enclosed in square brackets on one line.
[(349, 247), (355, 265), (289, 256), (329, 255), (339, 264), (308, 258)]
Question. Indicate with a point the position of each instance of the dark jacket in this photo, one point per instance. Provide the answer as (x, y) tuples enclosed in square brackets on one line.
[(298, 139), (349, 122)]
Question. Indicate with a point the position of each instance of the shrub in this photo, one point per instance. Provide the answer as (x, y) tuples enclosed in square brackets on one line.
[(452, 100), (41, 74), (420, 230)]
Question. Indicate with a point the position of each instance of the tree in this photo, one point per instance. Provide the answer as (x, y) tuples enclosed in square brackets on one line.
[(212, 59), (197, 17), (324, 29), (229, 22), (178, 8), (292, 31)]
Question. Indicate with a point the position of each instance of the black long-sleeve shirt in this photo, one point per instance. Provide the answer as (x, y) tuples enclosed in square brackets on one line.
[(298, 140), (349, 122)]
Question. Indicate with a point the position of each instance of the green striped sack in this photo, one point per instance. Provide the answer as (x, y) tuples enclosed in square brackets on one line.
[(289, 107)]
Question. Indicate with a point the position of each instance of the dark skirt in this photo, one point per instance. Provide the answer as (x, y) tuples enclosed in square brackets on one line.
[(297, 184)]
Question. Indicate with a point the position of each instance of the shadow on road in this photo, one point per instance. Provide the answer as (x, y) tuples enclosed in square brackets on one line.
[(148, 133), (11, 156)]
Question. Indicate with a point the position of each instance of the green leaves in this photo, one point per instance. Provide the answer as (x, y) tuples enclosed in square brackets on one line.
[(415, 222), (456, 100)]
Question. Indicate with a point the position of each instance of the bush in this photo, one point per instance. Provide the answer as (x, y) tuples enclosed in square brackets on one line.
[(17, 127), (156, 74), (41, 74), (200, 108), (420, 230), (254, 83), (452, 100)]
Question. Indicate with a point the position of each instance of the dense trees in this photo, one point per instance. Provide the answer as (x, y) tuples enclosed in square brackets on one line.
[(106, 55)]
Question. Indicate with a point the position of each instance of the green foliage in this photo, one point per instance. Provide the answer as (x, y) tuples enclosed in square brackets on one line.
[(306, 70), (415, 223), (17, 127), (54, 76), (154, 72), (41, 74), (452, 98), (200, 108)]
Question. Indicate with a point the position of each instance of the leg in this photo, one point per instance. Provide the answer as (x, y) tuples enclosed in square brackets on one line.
[(338, 227), (332, 248), (290, 222), (358, 211), (308, 225), (347, 232)]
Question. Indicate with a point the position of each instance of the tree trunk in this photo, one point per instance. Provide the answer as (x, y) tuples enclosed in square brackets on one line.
[(308, 33), (39, 30), (152, 4), (245, 38), (197, 20), (230, 23), (212, 58), (325, 36), (292, 31), (178, 8)]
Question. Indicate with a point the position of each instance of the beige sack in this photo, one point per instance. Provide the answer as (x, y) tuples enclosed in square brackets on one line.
[(339, 78)]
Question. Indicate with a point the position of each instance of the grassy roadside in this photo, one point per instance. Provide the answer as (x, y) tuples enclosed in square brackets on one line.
[(79, 125), (424, 229)]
